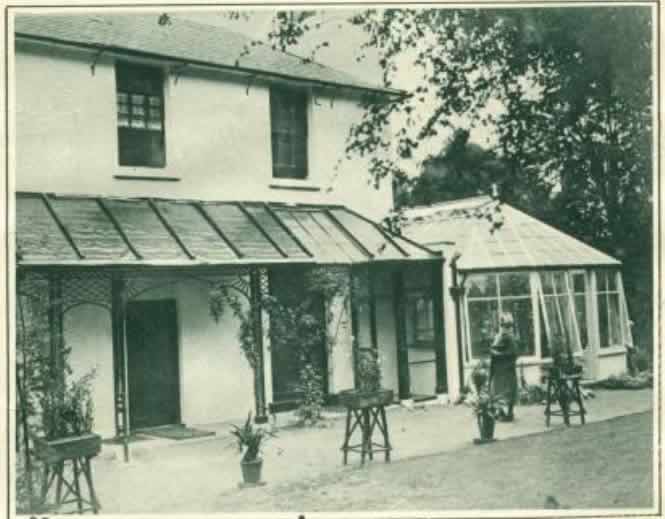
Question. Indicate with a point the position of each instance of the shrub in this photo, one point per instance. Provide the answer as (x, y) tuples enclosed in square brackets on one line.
[(311, 385)]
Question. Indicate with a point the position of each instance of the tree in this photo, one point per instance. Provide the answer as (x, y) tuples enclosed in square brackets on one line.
[(566, 93)]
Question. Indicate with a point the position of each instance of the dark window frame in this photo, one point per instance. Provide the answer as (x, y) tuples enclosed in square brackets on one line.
[(140, 146), (295, 103)]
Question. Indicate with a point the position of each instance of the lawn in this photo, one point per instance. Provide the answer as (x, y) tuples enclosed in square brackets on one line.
[(601, 465)]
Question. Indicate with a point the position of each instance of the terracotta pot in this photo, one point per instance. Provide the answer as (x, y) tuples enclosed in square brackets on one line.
[(358, 400), (55, 451), (251, 471)]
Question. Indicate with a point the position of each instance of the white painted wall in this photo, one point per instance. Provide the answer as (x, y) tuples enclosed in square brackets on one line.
[(340, 357), (216, 381), (452, 358), (217, 136), (87, 331)]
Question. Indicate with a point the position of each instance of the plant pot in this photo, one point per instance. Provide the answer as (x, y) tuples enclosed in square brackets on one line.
[(61, 449), (251, 471), (358, 400)]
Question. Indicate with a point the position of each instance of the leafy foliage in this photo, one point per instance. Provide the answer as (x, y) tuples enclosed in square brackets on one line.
[(250, 439), (369, 371)]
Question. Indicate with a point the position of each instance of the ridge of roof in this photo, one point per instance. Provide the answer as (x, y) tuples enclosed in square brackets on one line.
[(188, 41)]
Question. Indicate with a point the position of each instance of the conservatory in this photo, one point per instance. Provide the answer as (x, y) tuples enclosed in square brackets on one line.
[(561, 292)]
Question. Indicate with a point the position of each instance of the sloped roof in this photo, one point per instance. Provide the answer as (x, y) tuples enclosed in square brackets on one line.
[(183, 40), (520, 242), (59, 230)]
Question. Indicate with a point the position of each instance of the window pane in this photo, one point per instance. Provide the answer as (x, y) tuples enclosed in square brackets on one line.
[(580, 313), (281, 148), (555, 321), (612, 281), (559, 279), (155, 125), (522, 313), (481, 285), (138, 99), (123, 120), (483, 323), (603, 324), (547, 281), (138, 123), (614, 320), (155, 101), (288, 119), (122, 98), (601, 280), (578, 282), (514, 284)]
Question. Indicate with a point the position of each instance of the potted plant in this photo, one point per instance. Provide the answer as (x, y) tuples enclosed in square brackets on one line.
[(484, 404), (250, 441), (68, 422), (369, 392)]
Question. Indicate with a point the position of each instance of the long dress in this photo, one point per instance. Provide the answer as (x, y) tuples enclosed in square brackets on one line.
[(503, 373)]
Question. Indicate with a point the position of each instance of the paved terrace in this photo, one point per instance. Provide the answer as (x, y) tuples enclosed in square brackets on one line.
[(165, 475)]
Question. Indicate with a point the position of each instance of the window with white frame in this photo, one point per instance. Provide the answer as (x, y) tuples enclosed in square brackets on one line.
[(288, 123), (578, 284), (489, 295), (560, 318), (609, 308)]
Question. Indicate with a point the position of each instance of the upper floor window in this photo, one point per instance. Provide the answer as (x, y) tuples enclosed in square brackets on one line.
[(288, 125), (140, 101)]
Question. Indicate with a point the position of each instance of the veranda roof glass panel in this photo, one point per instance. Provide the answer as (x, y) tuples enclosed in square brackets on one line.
[(90, 228), (335, 234), (144, 229), (331, 252), (38, 235), (241, 231), (300, 232), (373, 239), (194, 231), (276, 231)]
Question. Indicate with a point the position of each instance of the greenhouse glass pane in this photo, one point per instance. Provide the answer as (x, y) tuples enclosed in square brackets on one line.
[(611, 280), (522, 313), (580, 313), (514, 284), (614, 319), (483, 323), (603, 325), (547, 281), (578, 282), (481, 285)]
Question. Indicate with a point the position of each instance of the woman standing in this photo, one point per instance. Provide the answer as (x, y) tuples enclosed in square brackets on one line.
[(503, 373)]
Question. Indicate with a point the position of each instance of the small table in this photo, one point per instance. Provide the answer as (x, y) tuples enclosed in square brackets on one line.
[(366, 414), (563, 389)]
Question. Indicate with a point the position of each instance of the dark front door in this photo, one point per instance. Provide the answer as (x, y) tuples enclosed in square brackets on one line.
[(152, 346), (287, 285)]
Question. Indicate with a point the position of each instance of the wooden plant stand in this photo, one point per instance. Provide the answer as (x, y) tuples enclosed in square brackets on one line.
[(563, 390), (74, 453), (366, 414)]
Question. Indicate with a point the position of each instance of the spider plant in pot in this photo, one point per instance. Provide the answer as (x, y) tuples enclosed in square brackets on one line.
[(250, 442)]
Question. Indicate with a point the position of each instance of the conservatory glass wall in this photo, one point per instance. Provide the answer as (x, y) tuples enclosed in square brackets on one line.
[(552, 309)]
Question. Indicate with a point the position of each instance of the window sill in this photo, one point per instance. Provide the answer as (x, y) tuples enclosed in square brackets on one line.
[(294, 184), (611, 351), (150, 176)]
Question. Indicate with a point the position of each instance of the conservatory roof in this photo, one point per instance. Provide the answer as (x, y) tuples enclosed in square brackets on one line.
[(62, 230), (521, 241)]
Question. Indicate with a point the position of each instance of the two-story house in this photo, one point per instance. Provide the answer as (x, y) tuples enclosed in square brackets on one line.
[(154, 159)]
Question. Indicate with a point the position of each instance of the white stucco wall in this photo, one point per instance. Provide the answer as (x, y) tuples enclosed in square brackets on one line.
[(216, 381), (217, 136), (87, 331)]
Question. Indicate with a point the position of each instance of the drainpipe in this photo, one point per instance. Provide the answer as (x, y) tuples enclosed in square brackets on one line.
[(457, 291)]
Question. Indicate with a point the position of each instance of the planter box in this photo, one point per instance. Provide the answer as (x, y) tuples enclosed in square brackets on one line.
[(56, 451), (355, 399)]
